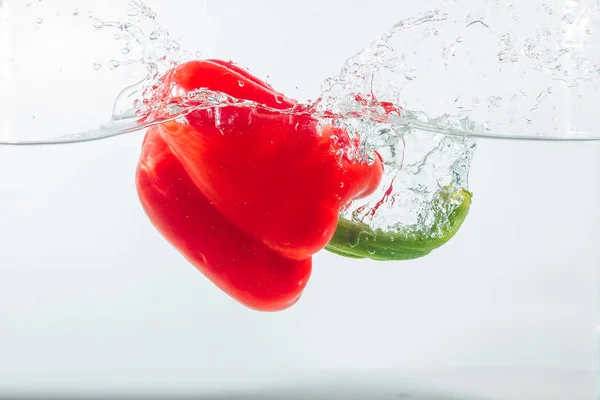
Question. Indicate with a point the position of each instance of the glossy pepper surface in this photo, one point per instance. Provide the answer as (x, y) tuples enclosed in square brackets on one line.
[(250, 189)]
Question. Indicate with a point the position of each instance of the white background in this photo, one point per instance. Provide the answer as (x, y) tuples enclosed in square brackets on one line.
[(93, 300)]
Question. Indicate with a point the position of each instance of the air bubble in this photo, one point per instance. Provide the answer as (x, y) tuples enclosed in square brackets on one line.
[(39, 21), (514, 58), (75, 13), (153, 35), (114, 64), (459, 40), (97, 66), (502, 57)]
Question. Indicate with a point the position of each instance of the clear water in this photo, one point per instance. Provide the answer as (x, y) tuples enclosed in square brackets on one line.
[(93, 300)]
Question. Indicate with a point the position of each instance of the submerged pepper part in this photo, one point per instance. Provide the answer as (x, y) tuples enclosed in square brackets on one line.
[(358, 240)]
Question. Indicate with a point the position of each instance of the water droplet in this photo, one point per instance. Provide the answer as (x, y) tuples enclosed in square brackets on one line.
[(568, 18), (137, 104), (153, 35), (114, 64), (279, 99), (494, 101), (452, 50), (458, 39), (132, 12), (28, 4), (75, 13), (476, 102), (436, 32), (588, 31), (341, 184), (39, 21), (410, 75), (339, 155), (97, 66), (198, 54), (33, 117), (514, 58), (469, 18), (125, 50), (502, 57), (241, 83), (529, 122), (370, 250), (97, 23)]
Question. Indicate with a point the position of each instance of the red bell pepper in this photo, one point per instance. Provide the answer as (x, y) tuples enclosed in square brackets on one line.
[(248, 192)]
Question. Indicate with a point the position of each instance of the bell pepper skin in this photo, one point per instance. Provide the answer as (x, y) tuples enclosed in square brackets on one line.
[(279, 176), (234, 261)]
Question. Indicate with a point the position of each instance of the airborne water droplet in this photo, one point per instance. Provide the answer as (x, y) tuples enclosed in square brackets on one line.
[(568, 18), (241, 83), (97, 23), (39, 21)]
